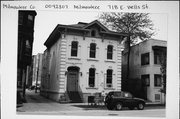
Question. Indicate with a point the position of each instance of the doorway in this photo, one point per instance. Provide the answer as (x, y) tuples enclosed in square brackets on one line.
[(73, 84), (72, 78)]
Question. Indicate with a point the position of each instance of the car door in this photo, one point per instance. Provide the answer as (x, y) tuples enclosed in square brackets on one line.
[(129, 101)]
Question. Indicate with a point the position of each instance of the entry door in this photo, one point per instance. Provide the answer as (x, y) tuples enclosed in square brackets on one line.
[(72, 81)]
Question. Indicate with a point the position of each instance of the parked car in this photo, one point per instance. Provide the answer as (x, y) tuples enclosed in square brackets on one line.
[(32, 87), (119, 99), (38, 86)]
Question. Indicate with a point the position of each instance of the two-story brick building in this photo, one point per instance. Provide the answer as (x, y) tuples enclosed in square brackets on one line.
[(144, 69), (80, 60)]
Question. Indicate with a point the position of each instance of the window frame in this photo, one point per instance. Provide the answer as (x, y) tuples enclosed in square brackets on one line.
[(92, 76), (74, 50), (30, 20), (144, 79), (143, 58), (156, 83), (93, 33), (21, 19), (92, 50), (110, 52), (156, 56), (109, 78), (157, 97)]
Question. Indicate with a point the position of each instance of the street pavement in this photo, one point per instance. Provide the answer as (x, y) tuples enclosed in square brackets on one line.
[(37, 104)]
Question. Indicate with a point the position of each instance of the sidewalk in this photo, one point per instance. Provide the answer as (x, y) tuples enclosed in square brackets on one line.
[(37, 103)]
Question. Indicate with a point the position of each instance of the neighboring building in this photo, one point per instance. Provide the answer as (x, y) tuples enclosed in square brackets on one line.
[(30, 74), (25, 45), (144, 69), (37, 69), (80, 60)]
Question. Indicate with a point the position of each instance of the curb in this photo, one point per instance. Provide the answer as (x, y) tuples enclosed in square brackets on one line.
[(155, 104)]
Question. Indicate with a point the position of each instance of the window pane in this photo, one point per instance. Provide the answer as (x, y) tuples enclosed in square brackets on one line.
[(157, 80), (93, 46), (109, 55), (109, 52), (145, 59), (30, 21), (93, 33), (74, 44), (156, 57), (74, 48), (30, 17), (145, 80), (157, 97), (92, 50), (109, 78), (110, 48), (91, 77), (20, 19)]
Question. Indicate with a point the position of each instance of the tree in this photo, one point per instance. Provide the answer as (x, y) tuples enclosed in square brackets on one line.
[(138, 26), (163, 61)]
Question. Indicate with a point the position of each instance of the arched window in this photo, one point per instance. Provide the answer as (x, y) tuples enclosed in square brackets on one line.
[(92, 77), (109, 52), (109, 77), (74, 48), (93, 33), (92, 53)]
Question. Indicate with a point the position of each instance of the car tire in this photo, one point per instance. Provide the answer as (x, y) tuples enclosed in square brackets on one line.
[(119, 106), (109, 107), (131, 108), (140, 106)]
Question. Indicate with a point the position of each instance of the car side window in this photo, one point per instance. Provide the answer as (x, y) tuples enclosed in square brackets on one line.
[(127, 95), (130, 95), (118, 94)]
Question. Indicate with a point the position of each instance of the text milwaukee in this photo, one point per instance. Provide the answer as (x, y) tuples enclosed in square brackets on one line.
[(86, 7), (14, 6)]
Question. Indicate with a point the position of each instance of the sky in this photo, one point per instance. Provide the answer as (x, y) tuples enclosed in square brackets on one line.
[(46, 21)]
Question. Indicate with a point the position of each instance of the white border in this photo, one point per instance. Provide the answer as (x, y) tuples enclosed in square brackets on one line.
[(9, 51)]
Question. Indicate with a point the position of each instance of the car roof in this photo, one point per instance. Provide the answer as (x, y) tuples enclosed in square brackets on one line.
[(118, 92)]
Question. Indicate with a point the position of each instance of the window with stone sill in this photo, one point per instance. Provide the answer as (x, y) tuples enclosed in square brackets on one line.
[(74, 48), (92, 73), (92, 52), (110, 52), (109, 78)]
